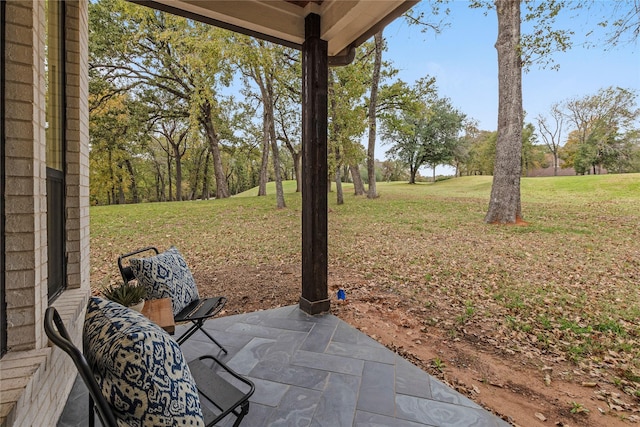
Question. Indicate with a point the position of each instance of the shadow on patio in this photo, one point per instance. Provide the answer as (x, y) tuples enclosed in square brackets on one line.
[(320, 371)]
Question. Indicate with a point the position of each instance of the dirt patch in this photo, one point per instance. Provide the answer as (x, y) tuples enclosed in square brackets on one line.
[(520, 387)]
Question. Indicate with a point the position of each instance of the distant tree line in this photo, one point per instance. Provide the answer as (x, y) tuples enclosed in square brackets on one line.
[(603, 132), (180, 110)]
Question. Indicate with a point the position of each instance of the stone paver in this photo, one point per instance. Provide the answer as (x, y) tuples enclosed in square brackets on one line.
[(320, 371)]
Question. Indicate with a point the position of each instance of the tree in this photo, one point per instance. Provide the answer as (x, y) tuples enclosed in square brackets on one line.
[(347, 114), (462, 150), (372, 192), (550, 130), (414, 17), (481, 151), (622, 21), (197, 164), (517, 52), (601, 123), (117, 139), (394, 170), (441, 132), (504, 204), (610, 107), (140, 49), (423, 132), (626, 154), (569, 150), (532, 153), (260, 62), (482, 154), (172, 138), (289, 133), (404, 132)]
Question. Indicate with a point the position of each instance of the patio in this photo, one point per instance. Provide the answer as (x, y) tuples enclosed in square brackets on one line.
[(320, 371)]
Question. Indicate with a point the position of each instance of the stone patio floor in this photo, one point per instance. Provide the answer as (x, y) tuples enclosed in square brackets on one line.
[(319, 371)]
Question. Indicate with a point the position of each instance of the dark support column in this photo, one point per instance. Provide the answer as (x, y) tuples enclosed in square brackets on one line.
[(314, 299)]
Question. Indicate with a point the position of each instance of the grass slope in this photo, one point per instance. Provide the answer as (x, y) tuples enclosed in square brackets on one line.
[(563, 287)]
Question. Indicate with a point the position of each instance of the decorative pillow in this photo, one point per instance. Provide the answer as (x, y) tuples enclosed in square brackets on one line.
[(166, 275), (139, 368)]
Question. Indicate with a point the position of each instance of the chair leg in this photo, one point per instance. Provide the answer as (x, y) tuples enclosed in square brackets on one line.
[(92, 416), (243, 411), (215, 341), (197, 325)]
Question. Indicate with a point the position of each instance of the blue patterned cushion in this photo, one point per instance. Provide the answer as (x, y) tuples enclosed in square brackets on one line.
[(139, 368), (166, 275)]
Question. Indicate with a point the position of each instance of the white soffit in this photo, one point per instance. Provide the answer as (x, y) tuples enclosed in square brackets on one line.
[(343, 22)]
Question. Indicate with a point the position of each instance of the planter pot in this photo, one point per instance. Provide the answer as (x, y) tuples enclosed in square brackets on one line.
[(138, 307)]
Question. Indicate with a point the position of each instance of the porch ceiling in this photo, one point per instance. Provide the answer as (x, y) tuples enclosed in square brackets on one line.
[(343, 22)]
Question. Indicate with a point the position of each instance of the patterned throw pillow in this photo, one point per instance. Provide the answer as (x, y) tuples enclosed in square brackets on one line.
[(166, 275), (139, 368)]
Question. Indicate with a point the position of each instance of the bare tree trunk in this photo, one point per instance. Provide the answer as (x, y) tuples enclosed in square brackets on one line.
[(134, 185), (222, 189), (169, 176), (280, 204), (178, 157), (295, 155), (358, 185), (504, 205), (264, 164), (205, 177), (373, 101), (112, 196), (195, 175), (336, 144), (175, 137), (160, 194), (297, 161), (121, 198), (412, 174), (339, 194)]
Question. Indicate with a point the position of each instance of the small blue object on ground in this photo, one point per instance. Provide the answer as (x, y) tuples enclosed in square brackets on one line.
[(341, 294)]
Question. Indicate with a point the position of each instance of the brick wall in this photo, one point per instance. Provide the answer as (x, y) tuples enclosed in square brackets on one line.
[(35, 379), (25, 197), (35, 383)]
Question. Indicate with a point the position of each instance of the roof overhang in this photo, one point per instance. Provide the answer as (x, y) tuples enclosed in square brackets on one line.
[(344, 23)]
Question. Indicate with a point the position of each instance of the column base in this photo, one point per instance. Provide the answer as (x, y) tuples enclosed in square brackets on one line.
[(315, 307)]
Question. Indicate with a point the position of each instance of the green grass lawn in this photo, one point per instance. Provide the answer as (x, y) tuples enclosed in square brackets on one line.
[(566, 285)]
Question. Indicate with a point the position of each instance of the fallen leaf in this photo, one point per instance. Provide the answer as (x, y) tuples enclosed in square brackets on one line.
[(539, 416)]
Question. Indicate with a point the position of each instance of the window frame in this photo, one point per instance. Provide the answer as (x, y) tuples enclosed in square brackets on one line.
[(56, 177)]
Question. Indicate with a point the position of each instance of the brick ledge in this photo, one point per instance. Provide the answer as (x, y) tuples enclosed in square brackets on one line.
[(24, 374)]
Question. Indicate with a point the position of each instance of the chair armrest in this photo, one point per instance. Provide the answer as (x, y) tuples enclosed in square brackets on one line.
[(219, 386), (200, 309)]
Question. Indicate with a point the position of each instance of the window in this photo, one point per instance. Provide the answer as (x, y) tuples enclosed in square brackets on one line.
[(55, 125)]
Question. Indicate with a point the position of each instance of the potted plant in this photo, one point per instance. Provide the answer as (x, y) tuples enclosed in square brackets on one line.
[(127, 294)]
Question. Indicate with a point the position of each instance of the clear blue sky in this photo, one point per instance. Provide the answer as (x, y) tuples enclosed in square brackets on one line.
[(464, 62)]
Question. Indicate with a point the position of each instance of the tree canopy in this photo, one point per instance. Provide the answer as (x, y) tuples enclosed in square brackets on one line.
[(183, 110), (424, 130)]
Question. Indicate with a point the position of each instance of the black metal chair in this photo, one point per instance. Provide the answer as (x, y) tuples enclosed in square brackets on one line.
[(197, 312), (57, 333), (213, 389)]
